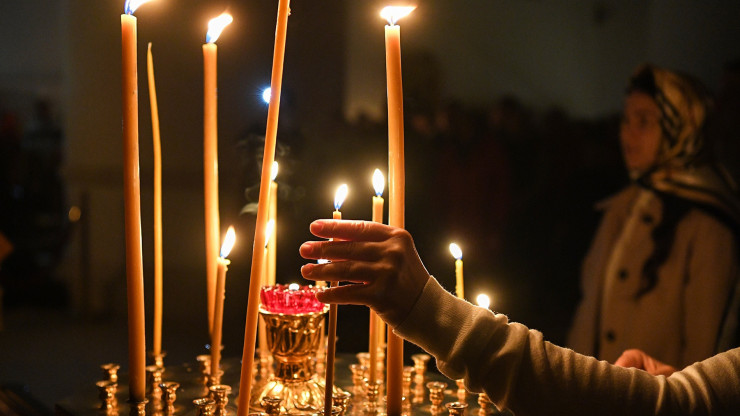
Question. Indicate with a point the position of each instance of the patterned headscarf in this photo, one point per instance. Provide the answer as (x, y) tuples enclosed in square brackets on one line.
[(684, 104), (684, 168)]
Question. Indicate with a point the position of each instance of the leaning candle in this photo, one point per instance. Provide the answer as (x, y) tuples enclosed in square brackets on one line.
[(376, 324), (272, 216), (132, 206), (331, 346), (250, 327), (218, 310), (210, 155), (157, 145), (457, 254), (396, 180), (262, 330)]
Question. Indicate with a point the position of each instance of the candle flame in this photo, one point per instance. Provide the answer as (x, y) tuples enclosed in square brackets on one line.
[(229, 241), (131, 5), (294, 286), (322, 261), (269, 230), (274, 171), (456, 251), (340, 196), (378, 182), (483, 301), (394, 13), (216, 26)]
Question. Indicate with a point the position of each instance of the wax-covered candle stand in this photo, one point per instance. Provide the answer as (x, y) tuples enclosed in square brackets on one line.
[(293, 322)]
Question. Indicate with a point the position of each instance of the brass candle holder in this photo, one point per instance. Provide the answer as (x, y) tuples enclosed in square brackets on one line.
[(408, 372), (420, 363), (456, 408), (169, 395), (272, 405), (137, 408), (358, 379), (204, 406), (341, 400), (107, 393), (110, 371), (462, 393), (158, 359), (154, 376), (487, 406), (372, 394), (436, 395), (220, 395), (293, 322)]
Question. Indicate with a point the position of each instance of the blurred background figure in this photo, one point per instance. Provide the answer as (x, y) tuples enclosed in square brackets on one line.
[(662, 268)]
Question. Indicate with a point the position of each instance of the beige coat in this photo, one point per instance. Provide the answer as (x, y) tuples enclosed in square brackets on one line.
[(678, 322)]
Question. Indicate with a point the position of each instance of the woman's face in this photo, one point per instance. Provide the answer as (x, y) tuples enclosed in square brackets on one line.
[(640, 132)]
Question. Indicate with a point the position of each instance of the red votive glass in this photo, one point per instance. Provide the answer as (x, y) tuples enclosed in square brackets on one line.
[(292, 301)]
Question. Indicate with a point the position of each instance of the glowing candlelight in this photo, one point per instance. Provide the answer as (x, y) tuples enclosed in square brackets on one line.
[(253, 300), (261, 328), (339, 196), (377, 326), (272, 216), (294, 286), (218, 315), (132, 205), (210, 155), (396, 173), (457, 254), (483, 301)]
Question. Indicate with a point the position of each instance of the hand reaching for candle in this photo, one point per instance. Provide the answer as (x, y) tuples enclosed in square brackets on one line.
[(380, 261), (638, 359)]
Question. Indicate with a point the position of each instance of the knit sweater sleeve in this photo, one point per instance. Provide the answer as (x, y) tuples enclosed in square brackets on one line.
[(519, 370)]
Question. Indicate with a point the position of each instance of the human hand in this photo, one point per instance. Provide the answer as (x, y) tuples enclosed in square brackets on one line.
[(380, 261), (639, 359)]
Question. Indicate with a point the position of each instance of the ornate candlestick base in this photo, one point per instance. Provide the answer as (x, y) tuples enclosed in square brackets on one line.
[(293, 338)]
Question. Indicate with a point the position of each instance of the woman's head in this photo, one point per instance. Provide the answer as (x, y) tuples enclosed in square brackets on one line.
[(664, 115)]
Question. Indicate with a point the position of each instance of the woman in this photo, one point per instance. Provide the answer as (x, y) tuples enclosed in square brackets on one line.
[(663, 265), (513, 365)]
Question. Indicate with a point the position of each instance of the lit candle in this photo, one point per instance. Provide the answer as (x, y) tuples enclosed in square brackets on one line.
[(262, 330), (376, 324), (396, 183), (457, 254), (250, 328), (210, 155), (272, 241), (132, 205), (222, 266), (483, 301), (331, 346), (157, 145)]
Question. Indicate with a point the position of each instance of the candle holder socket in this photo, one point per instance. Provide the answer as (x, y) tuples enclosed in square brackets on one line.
[(456, 408), (358, 378), (169, 395), (436, 395), (158, 359), (420, 363), (107, 394), (272, 405), (341, 400), (205, 406), (372, 394), (487, 406), (137, 408), (220, 394), (154, 375), (110, 371), (462, 393)]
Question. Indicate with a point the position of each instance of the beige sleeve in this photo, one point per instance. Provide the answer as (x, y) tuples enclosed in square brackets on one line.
[(522, 372)]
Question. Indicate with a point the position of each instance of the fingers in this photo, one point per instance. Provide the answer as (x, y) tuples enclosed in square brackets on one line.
[(351, 294), (631, 358), (351, 230), (345, 271), (340, 250)]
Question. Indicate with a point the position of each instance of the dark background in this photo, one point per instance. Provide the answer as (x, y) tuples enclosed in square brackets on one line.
[(511, 115)]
